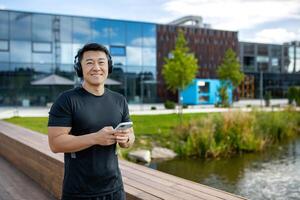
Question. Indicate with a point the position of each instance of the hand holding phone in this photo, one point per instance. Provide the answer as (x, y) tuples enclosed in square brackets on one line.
[(124, 126)]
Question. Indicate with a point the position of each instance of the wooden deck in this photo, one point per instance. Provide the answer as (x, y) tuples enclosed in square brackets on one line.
[(29, 152), (15, 185)]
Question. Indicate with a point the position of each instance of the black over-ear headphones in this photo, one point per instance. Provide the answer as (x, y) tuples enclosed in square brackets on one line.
[(91, 47)]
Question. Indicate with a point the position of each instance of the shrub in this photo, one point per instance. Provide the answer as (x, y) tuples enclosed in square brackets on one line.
[(235, 132), (169, 104), (292, 94), (185, 106), (153, 108), (267, 98)]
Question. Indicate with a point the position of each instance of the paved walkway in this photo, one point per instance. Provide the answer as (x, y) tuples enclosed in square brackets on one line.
[(145, 109), (14, 185)]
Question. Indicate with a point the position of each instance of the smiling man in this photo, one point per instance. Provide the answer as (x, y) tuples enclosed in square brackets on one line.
[(81, 124)]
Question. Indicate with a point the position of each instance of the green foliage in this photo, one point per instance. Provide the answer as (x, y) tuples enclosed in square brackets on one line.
[(185, 106), (267, 98), (294, 95), (204, 135), (223, 95), (229, 70), (169, 104), (153, 108), (181, 68), (39, 124), (235, 132)]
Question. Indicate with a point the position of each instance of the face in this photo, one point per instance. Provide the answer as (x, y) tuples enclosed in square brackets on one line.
[(94, 67)]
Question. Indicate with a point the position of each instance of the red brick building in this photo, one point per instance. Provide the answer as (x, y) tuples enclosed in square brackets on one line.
[(208, 46)]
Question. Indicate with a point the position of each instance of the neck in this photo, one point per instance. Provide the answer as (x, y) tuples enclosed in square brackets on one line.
[(95, 90)]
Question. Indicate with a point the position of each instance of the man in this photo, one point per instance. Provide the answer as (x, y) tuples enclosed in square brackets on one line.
[(81, 124)]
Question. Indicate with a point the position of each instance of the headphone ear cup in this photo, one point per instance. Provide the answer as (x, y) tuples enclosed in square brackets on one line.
[(78, 69), (110, 64)]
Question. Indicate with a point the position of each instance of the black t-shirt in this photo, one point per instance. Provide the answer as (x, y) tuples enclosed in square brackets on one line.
[(93, 171)]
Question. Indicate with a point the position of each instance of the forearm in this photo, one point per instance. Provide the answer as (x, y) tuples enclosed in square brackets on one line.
[(70, 143)]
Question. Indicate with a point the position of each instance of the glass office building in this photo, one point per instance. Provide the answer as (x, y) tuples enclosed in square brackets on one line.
[(35, 45), (279, 65)]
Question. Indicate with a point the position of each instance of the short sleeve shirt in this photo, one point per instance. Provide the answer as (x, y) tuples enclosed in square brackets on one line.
[(93, 171)]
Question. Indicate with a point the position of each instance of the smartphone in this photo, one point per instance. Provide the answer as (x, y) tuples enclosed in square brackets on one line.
[(124, 125)]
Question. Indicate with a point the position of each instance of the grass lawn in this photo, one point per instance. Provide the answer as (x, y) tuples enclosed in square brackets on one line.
[(149, 129), (143, 124)]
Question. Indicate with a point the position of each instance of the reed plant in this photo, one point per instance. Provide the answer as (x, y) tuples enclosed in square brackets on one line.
[(235, 132)]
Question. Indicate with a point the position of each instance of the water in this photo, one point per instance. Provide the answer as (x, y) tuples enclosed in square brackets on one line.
[(273, 174)]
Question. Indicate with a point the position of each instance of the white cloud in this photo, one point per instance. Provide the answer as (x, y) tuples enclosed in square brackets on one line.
[(277, 35), (235, 14), (2, 7)]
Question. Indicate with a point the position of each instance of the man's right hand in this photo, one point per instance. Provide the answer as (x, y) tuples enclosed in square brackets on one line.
[(105, 136)]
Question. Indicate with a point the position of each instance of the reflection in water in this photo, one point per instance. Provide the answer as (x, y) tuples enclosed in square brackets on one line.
[(274, 174)]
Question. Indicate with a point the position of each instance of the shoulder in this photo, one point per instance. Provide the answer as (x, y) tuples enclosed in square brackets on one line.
[(67, 95), (70, 93), (114, 95), (116, 98)]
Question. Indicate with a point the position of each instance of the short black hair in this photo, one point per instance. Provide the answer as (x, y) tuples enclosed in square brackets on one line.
[(91, 47)]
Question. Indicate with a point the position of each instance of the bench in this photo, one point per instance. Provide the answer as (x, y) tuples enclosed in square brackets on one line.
[(30, 153)]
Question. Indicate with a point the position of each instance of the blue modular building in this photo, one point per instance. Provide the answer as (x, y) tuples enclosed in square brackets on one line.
[(203, 91)]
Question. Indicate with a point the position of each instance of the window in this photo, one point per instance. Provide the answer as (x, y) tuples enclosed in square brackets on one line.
[(203, 87), (117, 33), (262, 50), (41, 47), (41, 27), (149, 56), (134, 34), (203, 98), (3, 67), (100, 31), (43, 68), (134, 56), (65, 28), (117, 51), (82, 32), (42, 58), (20, 25), (149, 35), (275, 62), (248, 63), (4, 25), (4, 45), (4, 56), (248, 49), (66, 53), (119, 61), (20, 51)]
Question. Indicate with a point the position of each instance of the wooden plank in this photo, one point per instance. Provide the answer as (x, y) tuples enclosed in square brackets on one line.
[(138, 194), (180, 194), (140, 182), (142, 186), (14, 185), (178, 180), (173, 187)]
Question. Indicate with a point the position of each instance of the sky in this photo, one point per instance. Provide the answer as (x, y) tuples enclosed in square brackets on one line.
[(263, 21)]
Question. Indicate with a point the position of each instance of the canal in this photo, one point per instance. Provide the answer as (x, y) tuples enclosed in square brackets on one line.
[(272, 174)]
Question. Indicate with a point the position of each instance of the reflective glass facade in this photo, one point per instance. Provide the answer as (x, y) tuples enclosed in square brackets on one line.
[(34, 45), (280, 65)]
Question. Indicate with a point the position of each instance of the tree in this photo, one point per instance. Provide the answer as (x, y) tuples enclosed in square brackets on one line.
[(229, 73), (180, 69)]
